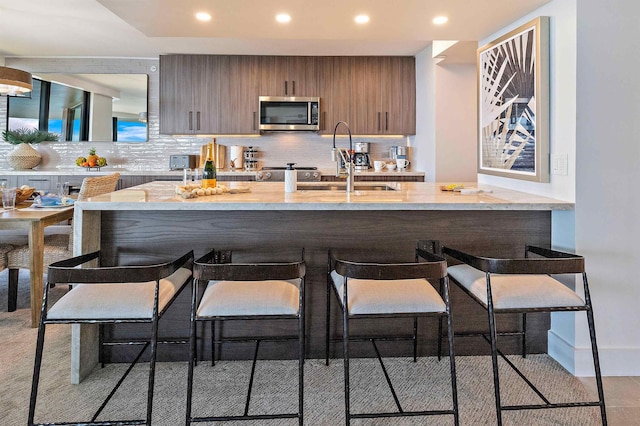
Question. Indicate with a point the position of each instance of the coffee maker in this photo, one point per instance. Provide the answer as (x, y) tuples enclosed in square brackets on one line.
[(361, 157)]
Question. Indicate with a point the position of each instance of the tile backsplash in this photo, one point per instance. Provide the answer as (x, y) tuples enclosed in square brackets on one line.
[(274, 149)]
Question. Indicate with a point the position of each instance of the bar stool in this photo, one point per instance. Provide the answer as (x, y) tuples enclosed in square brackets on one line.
[(386, 290), (246, 291), (520, 286), (112, 295)]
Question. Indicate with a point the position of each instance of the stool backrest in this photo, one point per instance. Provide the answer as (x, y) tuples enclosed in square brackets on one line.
[(551, 262), (435, 267), (205, 268)]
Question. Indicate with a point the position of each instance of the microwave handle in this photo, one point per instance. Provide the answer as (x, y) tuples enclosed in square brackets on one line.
[(308, 112)]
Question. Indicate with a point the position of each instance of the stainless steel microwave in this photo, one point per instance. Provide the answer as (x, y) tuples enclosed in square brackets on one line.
[(289, 113)]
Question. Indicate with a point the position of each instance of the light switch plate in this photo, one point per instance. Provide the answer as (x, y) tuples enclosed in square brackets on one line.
[(560, 164)]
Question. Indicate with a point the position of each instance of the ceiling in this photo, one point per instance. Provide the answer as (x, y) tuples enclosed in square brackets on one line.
[(148, 28)]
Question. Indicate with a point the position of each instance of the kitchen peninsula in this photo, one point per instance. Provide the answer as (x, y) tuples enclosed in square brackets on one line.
[(150, 222)]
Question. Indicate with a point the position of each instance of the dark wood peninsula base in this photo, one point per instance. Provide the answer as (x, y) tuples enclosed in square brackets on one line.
[(145, 236)]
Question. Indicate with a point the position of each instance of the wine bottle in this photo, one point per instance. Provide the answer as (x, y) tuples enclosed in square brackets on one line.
[(209, 175)]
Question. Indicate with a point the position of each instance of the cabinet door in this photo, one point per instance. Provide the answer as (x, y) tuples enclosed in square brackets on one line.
[(399, 96), (206, 81), (334, 80), (302, 79), (189, 94), (176, 94), (366, 95), (273, 76), (239, 91)]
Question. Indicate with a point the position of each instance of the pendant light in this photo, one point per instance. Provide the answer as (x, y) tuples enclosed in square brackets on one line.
[(14, 82)]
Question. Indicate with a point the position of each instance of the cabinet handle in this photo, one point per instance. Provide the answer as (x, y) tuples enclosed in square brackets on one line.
[(254, 120), (198, 120), (190, 120), (386, 125), (324, 120), (285, 88), (294, 88), (378, 120)]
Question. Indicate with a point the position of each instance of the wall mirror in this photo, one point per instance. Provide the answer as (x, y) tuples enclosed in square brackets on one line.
[(85, 107)]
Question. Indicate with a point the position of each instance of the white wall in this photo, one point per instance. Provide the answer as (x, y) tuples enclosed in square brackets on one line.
[(456, 122), (562, 114), (607, 205), (423, 144)]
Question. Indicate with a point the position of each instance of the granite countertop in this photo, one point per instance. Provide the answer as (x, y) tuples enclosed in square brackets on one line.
[(271, 196)]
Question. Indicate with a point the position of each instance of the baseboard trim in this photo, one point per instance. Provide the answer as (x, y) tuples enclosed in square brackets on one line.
[(579, 361)]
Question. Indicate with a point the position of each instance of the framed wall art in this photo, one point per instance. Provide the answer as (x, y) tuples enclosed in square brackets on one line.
[(513, 103)]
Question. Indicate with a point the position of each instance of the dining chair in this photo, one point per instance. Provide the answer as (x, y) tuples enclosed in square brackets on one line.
[(57, 246)]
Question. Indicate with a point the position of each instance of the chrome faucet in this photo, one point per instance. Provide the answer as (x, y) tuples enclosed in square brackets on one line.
[(337, 153)]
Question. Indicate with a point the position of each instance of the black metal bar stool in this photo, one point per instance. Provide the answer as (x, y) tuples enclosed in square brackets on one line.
[(246, 291), (389, 290), (112, 295), (520, 286)]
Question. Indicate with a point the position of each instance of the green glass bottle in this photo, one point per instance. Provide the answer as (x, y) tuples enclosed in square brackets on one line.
[(209, 175)]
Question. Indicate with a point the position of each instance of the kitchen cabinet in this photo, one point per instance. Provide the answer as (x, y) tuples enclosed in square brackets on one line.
[(41, 183), (239, 92), (288, 76), (382, 95), (189, 94), (334, 82)]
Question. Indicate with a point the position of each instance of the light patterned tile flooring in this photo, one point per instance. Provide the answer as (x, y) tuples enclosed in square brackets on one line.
[(622, 398)]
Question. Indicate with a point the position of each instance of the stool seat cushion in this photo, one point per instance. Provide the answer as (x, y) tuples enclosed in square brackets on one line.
[(512, 291), (389, 296), (249, 298), (117, 300)]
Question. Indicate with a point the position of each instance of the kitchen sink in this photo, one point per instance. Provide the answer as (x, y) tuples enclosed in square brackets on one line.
[(341, 186)]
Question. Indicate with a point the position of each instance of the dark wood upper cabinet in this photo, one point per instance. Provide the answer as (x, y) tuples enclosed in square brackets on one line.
[(218, 94), (239, 91), (288, 76), (383, 95), (189, 94), (334, 82)]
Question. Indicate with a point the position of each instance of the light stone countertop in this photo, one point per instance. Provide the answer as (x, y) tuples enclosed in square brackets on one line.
[(161, 195), (78, 171)]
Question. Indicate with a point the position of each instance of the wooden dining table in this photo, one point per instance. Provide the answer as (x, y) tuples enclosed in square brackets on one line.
[(34, 220)]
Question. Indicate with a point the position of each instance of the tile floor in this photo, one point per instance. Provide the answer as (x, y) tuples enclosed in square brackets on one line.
[(622, 398)]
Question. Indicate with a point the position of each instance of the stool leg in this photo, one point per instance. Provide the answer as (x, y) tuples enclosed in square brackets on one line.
[(192, 353), (12, 296), (213, 343), (327, 322), (415, 339), (345, 348), (494, 351), (301, 331), (36, 371), (452, 362), (524, 335), (594, 349), (152, 361)]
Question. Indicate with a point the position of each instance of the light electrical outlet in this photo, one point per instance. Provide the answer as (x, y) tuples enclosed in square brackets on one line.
[(560, 164)]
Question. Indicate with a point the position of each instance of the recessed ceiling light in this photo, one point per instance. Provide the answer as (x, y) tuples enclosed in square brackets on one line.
[(361, 19), (439, 20), (203, 16), (283, 18)]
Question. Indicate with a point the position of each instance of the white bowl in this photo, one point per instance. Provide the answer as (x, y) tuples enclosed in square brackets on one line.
[(391, 166)]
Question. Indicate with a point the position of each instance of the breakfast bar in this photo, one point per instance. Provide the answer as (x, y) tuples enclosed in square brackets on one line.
[(151, 222)]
